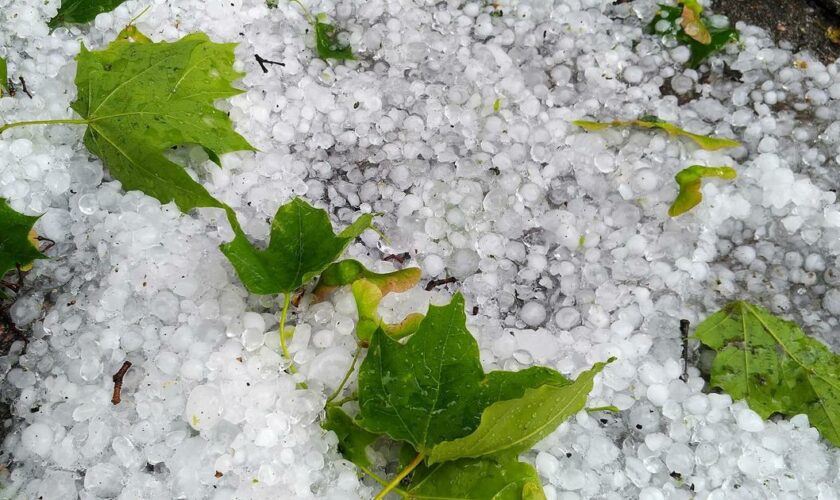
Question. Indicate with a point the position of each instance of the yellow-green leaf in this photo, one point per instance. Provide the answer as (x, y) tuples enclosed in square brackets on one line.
[(689, 180), (345, 272), (4, 76), (367, 295), (649, 121), (774, 366), (477, 479), (512, 426)]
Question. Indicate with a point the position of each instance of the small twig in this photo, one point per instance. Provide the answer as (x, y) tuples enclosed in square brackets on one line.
[(118, 381), (445, 281), (262, 62), (15, 287), (684, 324), (398, 257), (50, 243), (23, 86)]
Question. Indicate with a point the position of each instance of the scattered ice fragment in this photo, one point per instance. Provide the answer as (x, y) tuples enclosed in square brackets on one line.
[(749, 420), (104, 480), (38, 439), (204, 408)]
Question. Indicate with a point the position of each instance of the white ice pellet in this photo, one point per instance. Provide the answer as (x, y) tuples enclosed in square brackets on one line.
[(633, 74), (204, 408), (104, 480), (37, 438), (749, 420), (533, 314)]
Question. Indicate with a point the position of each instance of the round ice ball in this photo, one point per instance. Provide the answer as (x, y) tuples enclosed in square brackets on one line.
[(37, 438)]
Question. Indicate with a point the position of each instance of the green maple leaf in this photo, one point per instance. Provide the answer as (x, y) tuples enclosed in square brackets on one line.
[(701, 44), (650, 121), (433, 388), (774, 366), (302, 245), (512, 426), (16, 243), (140, 99), (353, 441), (81, 11), (484, 479)]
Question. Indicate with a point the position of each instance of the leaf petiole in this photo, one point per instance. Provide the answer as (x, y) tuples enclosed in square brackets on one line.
[(340, 402), (376, 477), (350, 371), (399, 477), (308, 15), (66, 121), (611, 408), (287, 299)]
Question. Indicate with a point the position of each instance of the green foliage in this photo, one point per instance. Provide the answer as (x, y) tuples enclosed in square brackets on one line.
[(469, 479), (345, 272), (689, 180), (368, 289), (774, 366), (691, 29), (328, 45), (139, 99), (650, 121), (512, 426), (353, 441), (302, 245), (367, 295), (81, 11), (433, 388), (4, 76), (17, 244)]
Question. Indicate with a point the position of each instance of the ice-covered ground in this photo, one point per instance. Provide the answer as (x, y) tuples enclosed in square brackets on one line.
[(500, 200)]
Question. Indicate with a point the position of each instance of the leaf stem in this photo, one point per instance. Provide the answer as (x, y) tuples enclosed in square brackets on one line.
[(350, 370), (376, 477), (341, 401), (399, 477), (306, 14), (68, 121), (611, 408), (287, 299)]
